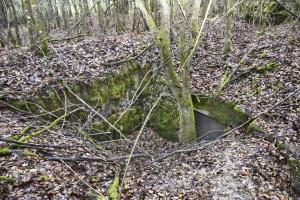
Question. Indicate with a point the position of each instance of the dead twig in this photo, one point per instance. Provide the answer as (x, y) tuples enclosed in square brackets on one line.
[(69, 38), (96, 159), (38, 145), (87, 184)]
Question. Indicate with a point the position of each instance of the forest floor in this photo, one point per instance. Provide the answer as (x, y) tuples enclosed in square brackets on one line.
[(239, 166)]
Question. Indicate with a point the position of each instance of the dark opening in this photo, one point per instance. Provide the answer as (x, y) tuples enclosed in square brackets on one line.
[(207, 128)]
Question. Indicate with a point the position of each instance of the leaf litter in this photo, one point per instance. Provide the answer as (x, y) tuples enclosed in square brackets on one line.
[(238, 167)]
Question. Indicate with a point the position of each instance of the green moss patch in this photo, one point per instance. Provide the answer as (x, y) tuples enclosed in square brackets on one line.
[(6, 179), (5, 151), (113, 191), (165, 119), (130, 121), (253, 128), (268, 67)]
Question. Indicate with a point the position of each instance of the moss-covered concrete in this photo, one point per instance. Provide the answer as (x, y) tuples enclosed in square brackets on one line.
[(227, 113), (165, 119), (112, 94), (129, 122), (98, 92)]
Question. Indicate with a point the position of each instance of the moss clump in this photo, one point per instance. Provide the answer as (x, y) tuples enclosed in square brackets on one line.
[(21, 133), (95, 179), (6, 179), (131, 120), (44, 178), (294, 165), (227, 113), (280, 145), (253, 128), (270, 138), (165, 119), (113, 189), (5, 151), (268, 67), (256, 92), (29, 153)]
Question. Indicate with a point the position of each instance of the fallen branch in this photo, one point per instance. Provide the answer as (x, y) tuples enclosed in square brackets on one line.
[(73, 159), (79, 158), (21, 133), (39, 132), (185, 151), (7, 150), (37, 145), (69, 38)]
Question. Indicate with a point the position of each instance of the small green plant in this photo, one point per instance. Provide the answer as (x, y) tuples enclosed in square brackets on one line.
[(5, 151), (280, 145), (113, 190), (256, 89), (268, 67), (44, 178), (6, 179), (252, 128), (29, 153)]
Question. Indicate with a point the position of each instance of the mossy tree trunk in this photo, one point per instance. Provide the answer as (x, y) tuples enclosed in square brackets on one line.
[(178, 82)]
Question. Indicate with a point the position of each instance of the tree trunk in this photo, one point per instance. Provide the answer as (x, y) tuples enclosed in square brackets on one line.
[(228, 27), (30, 21), (64, 14), (16, 23), (180, 86), (74, 3), (58, 23)]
